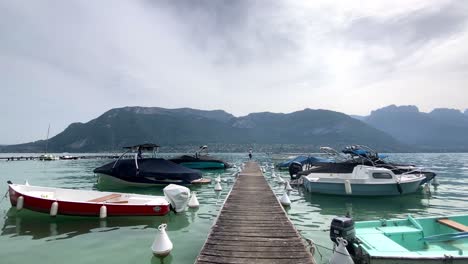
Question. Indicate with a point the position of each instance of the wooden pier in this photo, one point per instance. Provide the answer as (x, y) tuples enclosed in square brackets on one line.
[(253, 227)]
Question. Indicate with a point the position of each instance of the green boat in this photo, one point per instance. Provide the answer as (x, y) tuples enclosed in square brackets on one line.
[(410, 240), (201, 161)]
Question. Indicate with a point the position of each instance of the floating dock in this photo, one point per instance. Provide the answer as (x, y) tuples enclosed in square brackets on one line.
[(253, 227)]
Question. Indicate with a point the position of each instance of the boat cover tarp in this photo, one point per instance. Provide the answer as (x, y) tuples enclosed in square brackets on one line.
[(159, 169), (204, 158), (303, 160)]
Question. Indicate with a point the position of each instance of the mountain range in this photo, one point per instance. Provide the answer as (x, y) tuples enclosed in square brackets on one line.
[(442, 129), (390, 129)]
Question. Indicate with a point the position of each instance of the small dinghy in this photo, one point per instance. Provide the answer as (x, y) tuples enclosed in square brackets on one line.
[(58, 201), (409, 240)]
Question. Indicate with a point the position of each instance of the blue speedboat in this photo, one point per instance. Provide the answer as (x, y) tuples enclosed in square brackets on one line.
[(303, 160)]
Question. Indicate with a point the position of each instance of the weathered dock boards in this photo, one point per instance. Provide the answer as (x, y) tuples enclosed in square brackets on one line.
[(252, 227)]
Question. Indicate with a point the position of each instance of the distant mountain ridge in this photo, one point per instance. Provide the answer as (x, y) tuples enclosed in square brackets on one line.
[(305, 130), (442, 129)]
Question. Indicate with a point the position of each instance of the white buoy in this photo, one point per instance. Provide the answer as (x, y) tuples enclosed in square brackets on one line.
[(103, 212), (435, 181), (193, 203), (263, 169), (19, 203), (273, 174), (54, 208), (281, 180), (347, 185), (341, 254), (288, 187), (218, 187), (284, 200), (218, 179), (162, 245)]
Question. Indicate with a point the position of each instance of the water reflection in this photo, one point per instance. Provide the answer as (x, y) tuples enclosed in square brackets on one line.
[(39, 225), (365, 208)]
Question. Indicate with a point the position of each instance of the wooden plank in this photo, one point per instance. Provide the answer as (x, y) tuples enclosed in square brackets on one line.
[(455, 225), (105, 198), (232, 260), (252, 227)]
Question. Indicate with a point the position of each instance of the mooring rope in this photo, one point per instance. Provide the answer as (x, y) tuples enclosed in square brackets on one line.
[(4, 196)]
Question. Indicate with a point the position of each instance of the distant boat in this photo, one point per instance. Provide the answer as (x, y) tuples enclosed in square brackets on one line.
[(47, 156), (59, 201), (441, 239), (68, 157), (201, 160), (142, 171)]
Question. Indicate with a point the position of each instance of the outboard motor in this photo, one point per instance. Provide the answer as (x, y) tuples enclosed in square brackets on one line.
[(294, 168), (178, 196), (343, 227)]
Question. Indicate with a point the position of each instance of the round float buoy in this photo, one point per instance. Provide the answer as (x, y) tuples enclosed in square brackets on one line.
[(218, 187), (341, 254), (19, 203), (103, 212), (193, 203), (54, 208), (288, 187), (162, 245), (285, 199), (281, 180)]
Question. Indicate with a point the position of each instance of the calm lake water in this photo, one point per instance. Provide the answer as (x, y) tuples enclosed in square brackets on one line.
[(29, 237)]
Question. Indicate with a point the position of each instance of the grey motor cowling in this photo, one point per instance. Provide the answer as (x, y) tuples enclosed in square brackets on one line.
[(294, 168), (178, 196)]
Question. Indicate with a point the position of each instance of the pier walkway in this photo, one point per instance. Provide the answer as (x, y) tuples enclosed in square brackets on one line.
[(253, 227)]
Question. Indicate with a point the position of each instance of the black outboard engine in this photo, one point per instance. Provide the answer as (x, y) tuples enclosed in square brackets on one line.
[(294, 168), (342, 226)]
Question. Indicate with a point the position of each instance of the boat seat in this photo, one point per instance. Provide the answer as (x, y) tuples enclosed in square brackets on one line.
[(105, 198), (455, 225)]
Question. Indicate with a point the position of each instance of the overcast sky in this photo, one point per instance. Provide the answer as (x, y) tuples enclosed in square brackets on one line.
[(68, 61)]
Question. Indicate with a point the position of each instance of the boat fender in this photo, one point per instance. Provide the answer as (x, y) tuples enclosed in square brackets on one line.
[(294, 168), (341, 254), (162, 245), (19, 203), (347, 185), (54, 208), (398, 185), (177, 196), (284, 200), (193, 203), (103, 212)]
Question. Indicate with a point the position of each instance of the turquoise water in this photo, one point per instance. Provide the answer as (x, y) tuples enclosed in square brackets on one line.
[(29, 237)]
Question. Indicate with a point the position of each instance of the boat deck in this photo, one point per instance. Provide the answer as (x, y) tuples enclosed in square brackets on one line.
[(253, 227)]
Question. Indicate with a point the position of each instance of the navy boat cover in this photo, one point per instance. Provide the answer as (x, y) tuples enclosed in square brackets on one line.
[(159, 169)]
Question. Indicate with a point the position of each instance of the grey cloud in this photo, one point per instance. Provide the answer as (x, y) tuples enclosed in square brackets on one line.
[(234, 32), (406, 33)]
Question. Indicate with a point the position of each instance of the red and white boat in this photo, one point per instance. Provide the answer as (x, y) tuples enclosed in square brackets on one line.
[(58, 201)]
